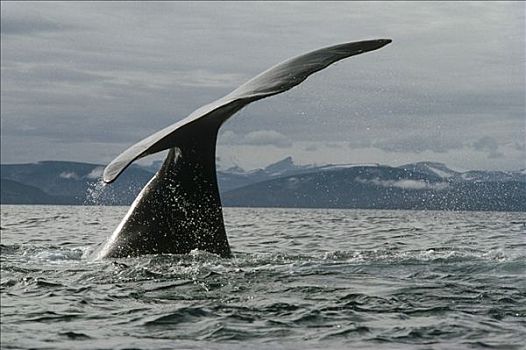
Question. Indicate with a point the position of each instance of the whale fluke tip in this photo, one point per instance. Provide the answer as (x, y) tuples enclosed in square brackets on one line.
[(111, 172), (379, 43)]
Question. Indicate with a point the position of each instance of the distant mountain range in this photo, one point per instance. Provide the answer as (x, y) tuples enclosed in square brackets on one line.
[(423, 185)]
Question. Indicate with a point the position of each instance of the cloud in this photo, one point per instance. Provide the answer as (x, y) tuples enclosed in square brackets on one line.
[(89, 75), (489, 145), (28, 25), (228, 137), (418, 144), (267, 137), (333, 145), (310, 148), (207, 78), (256, 138), (486, 144), (360, 143)]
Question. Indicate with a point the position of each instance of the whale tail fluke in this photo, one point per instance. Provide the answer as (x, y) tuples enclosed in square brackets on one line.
[(180, 209), (275, 80)]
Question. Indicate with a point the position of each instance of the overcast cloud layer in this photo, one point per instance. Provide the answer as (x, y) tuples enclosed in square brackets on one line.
[(83, 81)]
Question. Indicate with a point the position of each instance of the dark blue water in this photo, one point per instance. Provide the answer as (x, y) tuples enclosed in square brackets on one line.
[(332, 279)]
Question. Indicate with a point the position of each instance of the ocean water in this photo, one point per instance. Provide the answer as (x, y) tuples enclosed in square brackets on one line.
[(300, 279)]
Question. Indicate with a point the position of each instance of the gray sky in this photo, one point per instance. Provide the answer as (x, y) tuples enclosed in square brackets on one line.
[(83, 81)]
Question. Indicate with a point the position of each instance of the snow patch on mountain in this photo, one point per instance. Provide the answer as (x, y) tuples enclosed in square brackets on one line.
[(69, 175), (346, 166), (406, 184), (441, 173), (96, 173)]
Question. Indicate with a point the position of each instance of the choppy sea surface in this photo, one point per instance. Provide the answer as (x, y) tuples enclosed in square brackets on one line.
[(300, 279)]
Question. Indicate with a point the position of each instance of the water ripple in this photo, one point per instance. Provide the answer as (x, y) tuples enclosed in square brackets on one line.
[(298, 279)]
